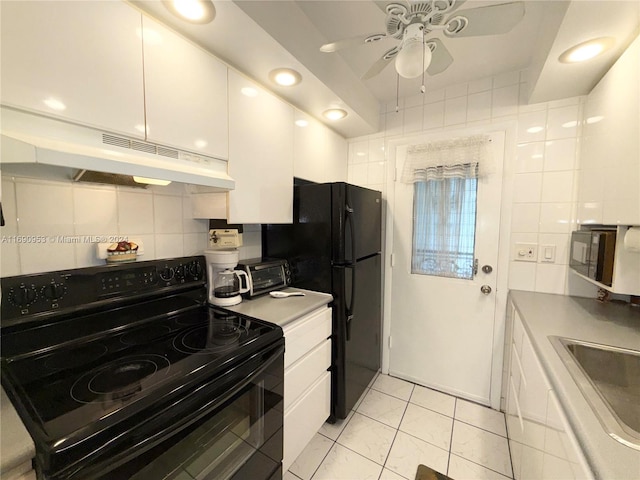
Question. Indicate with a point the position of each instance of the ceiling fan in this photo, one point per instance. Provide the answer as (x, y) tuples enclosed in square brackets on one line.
[(413, 22)]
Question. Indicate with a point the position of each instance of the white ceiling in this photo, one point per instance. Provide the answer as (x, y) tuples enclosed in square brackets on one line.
[(258, 36)]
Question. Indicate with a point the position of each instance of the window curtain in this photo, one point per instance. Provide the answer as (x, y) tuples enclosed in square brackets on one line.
[(445, 178), (456, 158)]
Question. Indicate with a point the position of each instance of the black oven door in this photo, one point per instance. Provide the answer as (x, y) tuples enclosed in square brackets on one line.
[(220, 431)]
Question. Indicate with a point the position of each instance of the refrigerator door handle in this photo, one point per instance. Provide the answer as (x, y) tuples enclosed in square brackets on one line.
[(349, 221), (349, 308)]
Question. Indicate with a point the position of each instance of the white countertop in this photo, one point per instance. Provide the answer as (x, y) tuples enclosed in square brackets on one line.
[(592, 321), (282, 310), (15, 442)]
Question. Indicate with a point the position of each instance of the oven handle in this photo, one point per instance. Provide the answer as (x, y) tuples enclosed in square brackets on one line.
[(145, 439)]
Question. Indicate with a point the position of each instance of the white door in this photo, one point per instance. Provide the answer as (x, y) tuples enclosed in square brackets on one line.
[(442, 329)]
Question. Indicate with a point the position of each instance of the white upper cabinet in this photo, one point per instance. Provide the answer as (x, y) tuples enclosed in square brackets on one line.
[(260, 154), (609, 177), (320, 154), (80, 61), (185, 93)]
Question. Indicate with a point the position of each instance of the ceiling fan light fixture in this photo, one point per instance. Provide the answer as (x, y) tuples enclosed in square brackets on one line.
[(194, 11), (285, 77), (586, 50), (415, 55), (334, 114)]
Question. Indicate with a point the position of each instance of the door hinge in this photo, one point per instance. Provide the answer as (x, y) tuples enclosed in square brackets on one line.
[(392, 260), (390, 341), (395, 174)]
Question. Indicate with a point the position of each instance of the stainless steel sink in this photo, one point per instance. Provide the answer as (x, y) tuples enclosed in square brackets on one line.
[(609, 378)]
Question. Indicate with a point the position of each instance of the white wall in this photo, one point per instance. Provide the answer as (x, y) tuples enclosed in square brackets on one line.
[(159, 216), (543, 170)]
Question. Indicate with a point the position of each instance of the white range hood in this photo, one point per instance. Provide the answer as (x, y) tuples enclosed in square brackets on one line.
[(36, 140)]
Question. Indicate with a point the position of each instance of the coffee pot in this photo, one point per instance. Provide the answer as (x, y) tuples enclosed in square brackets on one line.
[(225, 285)]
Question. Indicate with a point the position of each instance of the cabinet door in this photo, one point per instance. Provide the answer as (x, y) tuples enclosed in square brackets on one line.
[(185, 93), (260, 154), (609, 177), (320, 154), (80, 61)]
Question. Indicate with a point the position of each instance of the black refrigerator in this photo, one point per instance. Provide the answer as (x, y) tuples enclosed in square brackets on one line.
[(333, 246)]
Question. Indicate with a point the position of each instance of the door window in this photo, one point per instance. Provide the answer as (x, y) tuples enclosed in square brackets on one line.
[(444, 224)]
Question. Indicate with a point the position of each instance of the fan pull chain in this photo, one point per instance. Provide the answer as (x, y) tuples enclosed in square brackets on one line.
[(422, 88), (397, 93)]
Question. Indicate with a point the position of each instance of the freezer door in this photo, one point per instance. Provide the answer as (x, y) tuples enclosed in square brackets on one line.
[(356, 224), (357, 329)]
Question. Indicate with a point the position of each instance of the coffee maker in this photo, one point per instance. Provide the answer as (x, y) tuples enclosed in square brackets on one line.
[(225, 286)]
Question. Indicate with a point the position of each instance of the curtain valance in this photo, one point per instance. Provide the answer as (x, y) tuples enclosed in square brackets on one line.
[(468, 157)]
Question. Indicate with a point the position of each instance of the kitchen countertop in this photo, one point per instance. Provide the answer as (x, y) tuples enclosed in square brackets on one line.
[(282, 310), (589, 320), (15, 442)]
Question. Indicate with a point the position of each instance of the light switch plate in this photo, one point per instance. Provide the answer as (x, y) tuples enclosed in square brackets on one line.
[(547, 254), (525, 252)]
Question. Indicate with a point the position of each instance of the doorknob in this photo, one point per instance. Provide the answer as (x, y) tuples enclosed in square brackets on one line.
[(487, 268), (486, 289)]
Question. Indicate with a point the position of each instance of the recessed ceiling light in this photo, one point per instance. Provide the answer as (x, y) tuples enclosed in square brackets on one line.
[(285, 77), (586, 50), (334, 113), (194, 11), (302, 122)]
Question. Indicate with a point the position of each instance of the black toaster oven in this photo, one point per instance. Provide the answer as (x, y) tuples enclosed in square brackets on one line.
[(265, 275)]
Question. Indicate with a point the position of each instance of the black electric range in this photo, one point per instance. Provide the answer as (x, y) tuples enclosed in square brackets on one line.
[(104, 364)]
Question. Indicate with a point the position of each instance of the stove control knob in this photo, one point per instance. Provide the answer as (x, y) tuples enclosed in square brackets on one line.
[(54, 291), (166, 273), (195, 269), (180, 272), (23, 296)]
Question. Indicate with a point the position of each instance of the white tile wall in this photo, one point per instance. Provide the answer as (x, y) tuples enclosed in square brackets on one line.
[(545, 165), (63, 213)]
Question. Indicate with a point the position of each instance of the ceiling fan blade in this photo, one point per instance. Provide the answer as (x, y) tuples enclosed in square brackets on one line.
[(377, 67), (351, 42), (490, 20), (382, 4), (441, 58)]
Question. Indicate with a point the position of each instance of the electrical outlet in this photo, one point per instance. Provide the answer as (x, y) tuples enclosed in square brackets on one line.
[(526, 252)]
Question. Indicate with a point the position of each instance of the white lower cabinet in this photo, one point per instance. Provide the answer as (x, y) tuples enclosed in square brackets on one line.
[(307, 381), (540, 438)]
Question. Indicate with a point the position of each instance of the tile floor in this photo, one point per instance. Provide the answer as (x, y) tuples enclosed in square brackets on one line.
[(397, 425)]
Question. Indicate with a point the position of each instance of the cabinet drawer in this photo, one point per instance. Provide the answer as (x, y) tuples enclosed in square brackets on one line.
[(305, 334), (305, 417), (305, 371)]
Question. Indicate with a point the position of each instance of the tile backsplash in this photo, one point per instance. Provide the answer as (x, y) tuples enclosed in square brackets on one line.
[(52, 224), (543, 170)]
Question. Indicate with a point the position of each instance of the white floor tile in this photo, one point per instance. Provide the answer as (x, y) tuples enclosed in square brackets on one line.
[(368, 437), (289, 476), (408, 452), (461, 468), (433, 400), (333, 430), (427, 425), (389, 475), (393, 386), (311, 457), (382, 407), (344, 464), (482, 447), (481, 417)]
